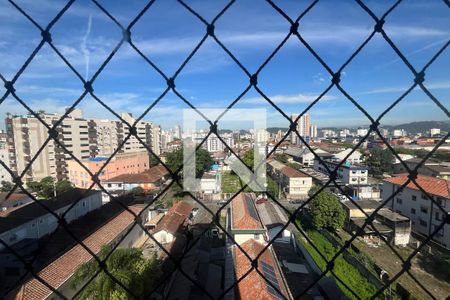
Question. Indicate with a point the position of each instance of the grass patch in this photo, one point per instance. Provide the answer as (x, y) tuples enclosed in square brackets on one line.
[(345, 271), (230, 183)]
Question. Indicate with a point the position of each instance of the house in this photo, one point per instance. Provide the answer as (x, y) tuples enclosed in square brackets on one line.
[(354, 158), (362, 191), (347, 173), (211, 183), (243, 219), (14, 200), (303, 155), (33, 222), (431, 167), (148, 180), (173, 223), (253, 285), (395, 227), (425, 215), (60, 271), (121, 163), (295, 184)]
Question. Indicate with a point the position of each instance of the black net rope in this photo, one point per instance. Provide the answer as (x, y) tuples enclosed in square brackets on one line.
[(293, 32)]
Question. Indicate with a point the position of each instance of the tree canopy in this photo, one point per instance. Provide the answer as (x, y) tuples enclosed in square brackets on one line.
[(327, 212), (6, 186), (45, 188), (174, 161), (380, 161), (128, 265)]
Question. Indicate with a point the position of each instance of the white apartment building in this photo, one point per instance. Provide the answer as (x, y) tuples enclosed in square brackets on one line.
[(347, 173), (214, 144), (313, 131), (399, 132), (303, 128), (435, 131), (425, 215), (4, 156), (361, 132)]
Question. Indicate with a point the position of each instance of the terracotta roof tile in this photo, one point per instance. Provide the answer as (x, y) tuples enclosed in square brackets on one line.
[(254, 286), (63, 267), (435, 186), (151, 175), (174, 220), (244, 212)]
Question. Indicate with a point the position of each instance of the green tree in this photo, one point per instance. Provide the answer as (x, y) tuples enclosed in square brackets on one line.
[(380, 161), (127, 265), (6, 186), (137, 191), (249, 158), (153, 161), (327, 212), (174, 161), (46, 187), (313, 190), (272, 187), (281, 158)]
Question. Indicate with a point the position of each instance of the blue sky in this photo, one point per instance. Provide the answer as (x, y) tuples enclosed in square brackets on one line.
[(251, 29)]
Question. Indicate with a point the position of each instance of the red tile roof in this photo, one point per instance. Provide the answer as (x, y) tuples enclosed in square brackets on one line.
[(291, 172), (174, 220), (245, 217), (152, 175), (61, 269), (435, 186), (254, 286)]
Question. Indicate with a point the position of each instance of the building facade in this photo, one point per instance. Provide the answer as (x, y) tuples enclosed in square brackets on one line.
[(425, 214), (346, 173), (83, 138), (303, 128), (121, 163)]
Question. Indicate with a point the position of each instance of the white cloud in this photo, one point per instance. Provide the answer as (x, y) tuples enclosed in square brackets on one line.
[(287, 99), (438, 85)]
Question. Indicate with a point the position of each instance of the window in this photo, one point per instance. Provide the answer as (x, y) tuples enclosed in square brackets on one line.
[(256, 236), (423, 223), (424, 210), (437, 216), (109, 184), (413, 211), (399, 201), (424, 196), (413, 198)]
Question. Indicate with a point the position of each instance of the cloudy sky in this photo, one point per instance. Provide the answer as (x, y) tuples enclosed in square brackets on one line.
[(251, 29)]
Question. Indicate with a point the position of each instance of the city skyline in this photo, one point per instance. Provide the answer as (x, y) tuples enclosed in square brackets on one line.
[(375, 78)]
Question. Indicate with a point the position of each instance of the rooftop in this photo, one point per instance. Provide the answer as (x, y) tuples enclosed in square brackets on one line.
[(10, 219), (12, 200), (435, 186), (151, 175), (175, 218), (62, 268), (254, 286), (244, 213)]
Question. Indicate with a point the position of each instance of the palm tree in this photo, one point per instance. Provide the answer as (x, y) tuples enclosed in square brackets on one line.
[(128, 266)]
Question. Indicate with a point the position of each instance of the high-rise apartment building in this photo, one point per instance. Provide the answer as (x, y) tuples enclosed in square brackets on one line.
[(84, 138), (313, 131), (303, 128)]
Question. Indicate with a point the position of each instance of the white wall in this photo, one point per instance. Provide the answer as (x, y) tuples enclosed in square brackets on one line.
[(421, 212)]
